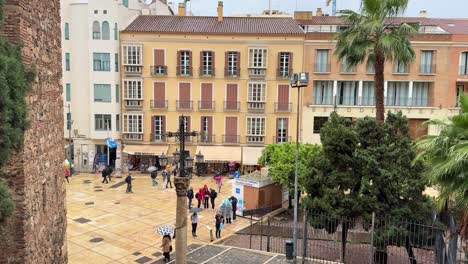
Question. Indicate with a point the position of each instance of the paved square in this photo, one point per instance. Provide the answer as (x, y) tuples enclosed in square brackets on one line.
[(111, 226)]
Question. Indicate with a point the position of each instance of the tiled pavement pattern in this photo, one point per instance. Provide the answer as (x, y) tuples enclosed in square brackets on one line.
[(121, 227)]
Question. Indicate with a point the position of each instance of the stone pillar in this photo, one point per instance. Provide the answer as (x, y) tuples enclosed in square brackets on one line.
[(181, 185)]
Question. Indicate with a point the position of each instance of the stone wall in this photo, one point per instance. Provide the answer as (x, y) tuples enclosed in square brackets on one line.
[(37, 231)]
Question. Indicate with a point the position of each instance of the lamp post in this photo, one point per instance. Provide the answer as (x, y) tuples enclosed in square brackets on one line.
[(199, 159), (181, 183), (297, 81), (163, 160)]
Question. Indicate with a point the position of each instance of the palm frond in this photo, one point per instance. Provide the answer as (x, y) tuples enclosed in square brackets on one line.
[(464, 103)]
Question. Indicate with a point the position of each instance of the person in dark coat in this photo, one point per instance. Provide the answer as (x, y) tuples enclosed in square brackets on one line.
[(219, 220), (153, 177), (190, 197), (104, 175), (206, 195), (213, 195), (234, 207), (109, 173), (128, 180)]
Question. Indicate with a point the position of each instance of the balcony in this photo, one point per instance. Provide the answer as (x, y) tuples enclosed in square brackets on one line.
[(206, 139), (207, 72), (232, 72), (135, 104), (158, 104), (231, 139), (322, 68), (255, 140), (283, 107), (231, 105), (257, 72), (256, 107), (184, 71), (133, 69), (206, 105), (133, 136), (283, 73), (401, 70), (278, 140), (427, 69), (158, 138), (158, 70), (184, 105)]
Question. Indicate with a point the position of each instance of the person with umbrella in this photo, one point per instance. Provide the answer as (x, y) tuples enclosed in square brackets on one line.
[(165, 231), (218, 178), (225, 208), (154, 172)]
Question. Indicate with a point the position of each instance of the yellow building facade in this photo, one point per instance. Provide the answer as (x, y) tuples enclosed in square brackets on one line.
[(228, 77)]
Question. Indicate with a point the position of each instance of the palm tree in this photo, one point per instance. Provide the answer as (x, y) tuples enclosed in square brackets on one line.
[(446, 156), (374, 35)]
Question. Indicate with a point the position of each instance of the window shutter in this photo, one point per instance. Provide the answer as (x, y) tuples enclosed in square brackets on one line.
[(163, 125), (277, 131), (178, 61), (210, 128), (279, 64), (201, 62), (290, 63), (213, 63), (226, 62), (238, 61), (286, 126), (190, 60), (153, 136)]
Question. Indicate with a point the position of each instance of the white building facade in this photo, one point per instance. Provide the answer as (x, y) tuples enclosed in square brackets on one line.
[(91, 80)]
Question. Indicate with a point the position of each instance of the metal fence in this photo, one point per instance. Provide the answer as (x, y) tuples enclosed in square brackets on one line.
[(357, 241)]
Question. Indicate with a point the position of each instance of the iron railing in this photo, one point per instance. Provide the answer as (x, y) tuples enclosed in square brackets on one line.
[(233, 72), (184, 71), (207, 71), (231, 139), (206, 105), (278, 140), (231, 105), (158, 104), (158, 70), (283, 107), (158, 138), (205, 138), (184, 105)]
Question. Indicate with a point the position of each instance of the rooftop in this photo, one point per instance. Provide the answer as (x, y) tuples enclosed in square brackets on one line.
[(210, 25)]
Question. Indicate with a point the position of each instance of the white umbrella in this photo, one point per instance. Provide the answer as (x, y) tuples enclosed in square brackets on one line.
[(152, 168), (165, 230)]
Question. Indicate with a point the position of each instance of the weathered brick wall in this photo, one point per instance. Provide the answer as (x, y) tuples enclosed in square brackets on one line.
[(37, 232)]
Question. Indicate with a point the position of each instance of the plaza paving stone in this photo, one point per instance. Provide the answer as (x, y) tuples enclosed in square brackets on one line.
[(127, 222)]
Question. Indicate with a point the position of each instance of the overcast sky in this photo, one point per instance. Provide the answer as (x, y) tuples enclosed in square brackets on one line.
[(435, 8)]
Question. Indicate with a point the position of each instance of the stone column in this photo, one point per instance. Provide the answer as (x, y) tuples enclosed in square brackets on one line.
[(181, 185)]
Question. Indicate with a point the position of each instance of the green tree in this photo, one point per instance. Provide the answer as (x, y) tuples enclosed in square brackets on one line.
[(446, 158), (281, 161), (367, 168), (374, 35)]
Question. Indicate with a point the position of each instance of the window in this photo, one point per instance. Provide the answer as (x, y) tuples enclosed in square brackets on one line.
[(207, 59), (464, 63), (96, 30), (95, 11), (105, 12), (420, 95), (68, 92), (206, 135), (132, 89), (69, 121), (346, 67), (319, 121), (427, 66), (125, 3), (117, 122), (101, 61), (105, 30), (67, 31), (321, 63), (133, 123), (67, 61), (460, 91), (116, 32), (159, 128), (323, 92), (281, 130), (368, 93), (232, 60), (370, 67), (397, 94), (102, 122), (116, 62), (400, 67), (258, 58), (255, 129), (184, 62), (284, 63), (132, 55), (117, 93), (347, 93), (102, 93), (256, 98)]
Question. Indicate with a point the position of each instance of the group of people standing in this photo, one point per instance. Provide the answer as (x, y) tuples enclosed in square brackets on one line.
[(166, 175)]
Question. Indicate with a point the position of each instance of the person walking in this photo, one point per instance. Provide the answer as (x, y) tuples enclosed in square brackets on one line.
[(234, 207), (104, 175), (219, 183), (194, 224), (218, 224), (213, 195), (67, 174), (153, 178), (190, 197), (199, 196), (167, 248), (168, 177), (128, 180), (109, 173), (206, 197)]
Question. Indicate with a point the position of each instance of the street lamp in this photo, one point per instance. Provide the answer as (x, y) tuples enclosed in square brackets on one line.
[(200, 159), (163, 160), (297, 81), (181, 183)]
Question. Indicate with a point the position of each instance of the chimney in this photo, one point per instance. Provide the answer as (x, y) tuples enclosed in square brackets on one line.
[(319, 12), (423, 13), (220, 11), (303, 15), (181, 9)]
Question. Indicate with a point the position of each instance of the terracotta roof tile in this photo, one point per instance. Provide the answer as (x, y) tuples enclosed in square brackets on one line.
[(229, 25)]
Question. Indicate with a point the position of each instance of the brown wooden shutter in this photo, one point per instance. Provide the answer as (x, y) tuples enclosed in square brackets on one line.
[(226, 62), (163, 125), (213, 60), (277, 133), (231, 96), (159, 57), (178, 60), (190, 63), (210, 128), (290, 63), (159, 94), (189, 127), (153, 118), (283, 97), (231, 130), (201, 63), (184, 95), (206, 95), (286, 126), (238, 63), (279, 64)]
